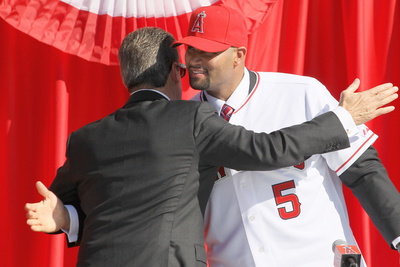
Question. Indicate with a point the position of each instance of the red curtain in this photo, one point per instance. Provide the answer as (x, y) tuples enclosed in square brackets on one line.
[(46, 94)]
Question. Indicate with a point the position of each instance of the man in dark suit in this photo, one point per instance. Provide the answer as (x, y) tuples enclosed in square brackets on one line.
[(134, 175)]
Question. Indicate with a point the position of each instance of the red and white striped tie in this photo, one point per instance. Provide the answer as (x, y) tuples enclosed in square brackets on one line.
[(226, 112)]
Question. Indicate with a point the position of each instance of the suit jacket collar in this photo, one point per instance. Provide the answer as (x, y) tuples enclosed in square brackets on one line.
[(145, 95)]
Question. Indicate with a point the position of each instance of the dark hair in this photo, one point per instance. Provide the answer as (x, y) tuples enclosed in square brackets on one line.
[(146, 57)]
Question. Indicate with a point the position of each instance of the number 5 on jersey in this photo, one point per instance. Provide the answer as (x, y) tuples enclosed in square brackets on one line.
[(291, 198)]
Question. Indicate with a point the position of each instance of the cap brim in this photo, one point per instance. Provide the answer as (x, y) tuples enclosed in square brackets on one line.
[(202, 44)]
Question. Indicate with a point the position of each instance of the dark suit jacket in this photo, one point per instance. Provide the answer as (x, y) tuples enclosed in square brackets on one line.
[(368, 180), (135, 174)]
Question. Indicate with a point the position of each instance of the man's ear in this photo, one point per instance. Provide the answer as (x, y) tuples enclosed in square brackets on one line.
[(175, 73), (240, 55)]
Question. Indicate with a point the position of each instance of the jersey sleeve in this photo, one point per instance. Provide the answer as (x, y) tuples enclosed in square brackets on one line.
[(321, 101), (339, 161)]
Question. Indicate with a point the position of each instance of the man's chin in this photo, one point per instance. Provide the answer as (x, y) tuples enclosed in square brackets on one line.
[(199, 89), (198, 84)]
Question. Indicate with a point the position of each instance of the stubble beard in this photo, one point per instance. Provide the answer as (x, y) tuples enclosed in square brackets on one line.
[(199, 84)]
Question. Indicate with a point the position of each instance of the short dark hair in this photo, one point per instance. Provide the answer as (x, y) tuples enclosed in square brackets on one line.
[(146, 57)]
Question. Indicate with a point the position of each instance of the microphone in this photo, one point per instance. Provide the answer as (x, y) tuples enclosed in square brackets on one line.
[(345, 255)]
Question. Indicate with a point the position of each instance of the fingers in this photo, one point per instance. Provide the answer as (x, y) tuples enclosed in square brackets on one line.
[(35, 225), (383, 111), (367, 105), (354, 86), (385, 95), (31, 215), (30, 206), (42, 189), (37, 228), (389, 95), (40, 215), (33, 221), (389, 99), (381, 88)]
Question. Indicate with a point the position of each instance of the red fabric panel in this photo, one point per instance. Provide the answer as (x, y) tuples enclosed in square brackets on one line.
[(46, 94), (38, 85), (254, 11)]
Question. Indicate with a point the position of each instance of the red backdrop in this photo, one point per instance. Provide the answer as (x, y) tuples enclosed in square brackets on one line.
[(46, 94)]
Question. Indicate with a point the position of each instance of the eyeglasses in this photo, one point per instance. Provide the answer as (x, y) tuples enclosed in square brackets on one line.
[(182, 69)]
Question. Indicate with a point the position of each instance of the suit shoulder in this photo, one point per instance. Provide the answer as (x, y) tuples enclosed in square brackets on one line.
[(91, 126), (199, 110), (194, 104)]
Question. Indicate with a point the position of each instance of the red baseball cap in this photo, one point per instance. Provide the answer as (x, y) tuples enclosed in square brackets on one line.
[(215, 29)]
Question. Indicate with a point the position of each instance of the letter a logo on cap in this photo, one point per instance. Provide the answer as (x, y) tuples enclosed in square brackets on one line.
[(198, 25)]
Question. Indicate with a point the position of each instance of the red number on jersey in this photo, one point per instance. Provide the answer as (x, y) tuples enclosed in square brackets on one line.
[(292, 198)]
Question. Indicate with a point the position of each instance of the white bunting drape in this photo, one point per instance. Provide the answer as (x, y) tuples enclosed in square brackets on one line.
[(94, 29)]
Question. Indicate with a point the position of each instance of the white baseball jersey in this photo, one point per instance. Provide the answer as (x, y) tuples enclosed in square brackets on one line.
[(288, 217)]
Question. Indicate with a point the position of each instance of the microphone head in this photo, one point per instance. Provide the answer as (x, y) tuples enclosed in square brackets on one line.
[(338, 242), (345, 254)]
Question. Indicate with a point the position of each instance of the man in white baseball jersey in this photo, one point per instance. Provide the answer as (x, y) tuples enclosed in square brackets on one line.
[(292, 216)]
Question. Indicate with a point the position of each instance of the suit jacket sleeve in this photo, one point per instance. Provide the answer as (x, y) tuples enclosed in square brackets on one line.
[(368, 180), (223, 144), (65, 189)]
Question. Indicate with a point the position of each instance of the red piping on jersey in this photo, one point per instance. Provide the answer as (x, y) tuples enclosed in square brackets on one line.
[(354, 153), (252, 92), (248, 97)]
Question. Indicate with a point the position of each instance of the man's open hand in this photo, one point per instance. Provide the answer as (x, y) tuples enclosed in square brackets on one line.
[(367, 105), (48, 215)]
